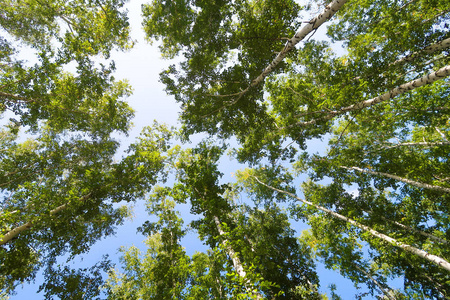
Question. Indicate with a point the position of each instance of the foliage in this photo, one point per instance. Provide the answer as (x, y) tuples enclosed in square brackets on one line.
[(381, 106), (376, 197)]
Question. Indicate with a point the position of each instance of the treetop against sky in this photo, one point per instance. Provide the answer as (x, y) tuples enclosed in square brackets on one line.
[(332, 117)]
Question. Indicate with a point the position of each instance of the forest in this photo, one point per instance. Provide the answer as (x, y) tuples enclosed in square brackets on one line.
[(255, 83)]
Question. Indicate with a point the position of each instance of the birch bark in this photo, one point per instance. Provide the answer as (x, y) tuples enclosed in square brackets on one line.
[(405, 180), (427, 79), (236, 261), (367, 274), (19, 229), (427, 50), (430, 257), (425, 234), (311, 26)]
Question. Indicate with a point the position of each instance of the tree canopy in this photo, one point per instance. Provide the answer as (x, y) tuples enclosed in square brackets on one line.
[(258, 83)]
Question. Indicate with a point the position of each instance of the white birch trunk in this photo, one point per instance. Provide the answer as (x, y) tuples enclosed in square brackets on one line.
[(311, 26), (427, 50), (430, 257), (367, 274), (430, 78), (425, 234), (16, 231), (428, 144), (405, 180), (235, 259)]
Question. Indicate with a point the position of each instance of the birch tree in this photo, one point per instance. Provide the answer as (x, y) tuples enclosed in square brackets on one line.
[(59, 182), (255, 253)]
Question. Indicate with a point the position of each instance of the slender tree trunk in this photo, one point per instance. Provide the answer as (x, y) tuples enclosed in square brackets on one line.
[(427, 50), (428, 144), (405, 180), (408, 228), (238, 267), (311, 26), (367, 274), (430, 78), (19, 229), (430, 257)]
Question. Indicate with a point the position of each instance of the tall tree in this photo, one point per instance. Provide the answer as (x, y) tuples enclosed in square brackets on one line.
[(59, 180), (382, 106), (255, 253)]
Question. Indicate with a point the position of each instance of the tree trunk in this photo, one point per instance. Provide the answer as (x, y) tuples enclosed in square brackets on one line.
[(367, 274), (428, 144), (236, 261), (405, 180), (16, 231), (430, 78), (430, 257), (408, 228), (427, 50), (311, 26)]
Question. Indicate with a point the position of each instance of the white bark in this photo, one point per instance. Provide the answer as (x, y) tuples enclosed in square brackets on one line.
[(311, 26), (236, 261), (430, 257), (16, 231), (405, 180), (238, 267), (441, 133), (367, 274), (428, 144), (425, 234), (427, 50), (430, 78)]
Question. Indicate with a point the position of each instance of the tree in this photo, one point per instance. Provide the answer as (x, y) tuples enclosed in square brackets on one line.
[(376, 199), (255, 253), (59, 181), (382, 106)]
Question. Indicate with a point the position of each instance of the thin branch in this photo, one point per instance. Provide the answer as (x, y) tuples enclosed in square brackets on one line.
[(423, 233), (441, 133)]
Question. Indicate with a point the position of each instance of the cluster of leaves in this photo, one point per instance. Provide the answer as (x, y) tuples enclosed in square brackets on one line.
[(253, 253)]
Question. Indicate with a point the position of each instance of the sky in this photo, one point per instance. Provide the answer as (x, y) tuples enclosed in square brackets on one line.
[(141, 67)]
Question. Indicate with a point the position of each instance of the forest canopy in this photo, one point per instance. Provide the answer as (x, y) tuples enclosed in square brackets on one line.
[(257, 83)]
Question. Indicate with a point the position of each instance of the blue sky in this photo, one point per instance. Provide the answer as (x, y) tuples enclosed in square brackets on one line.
[(141, 66)]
